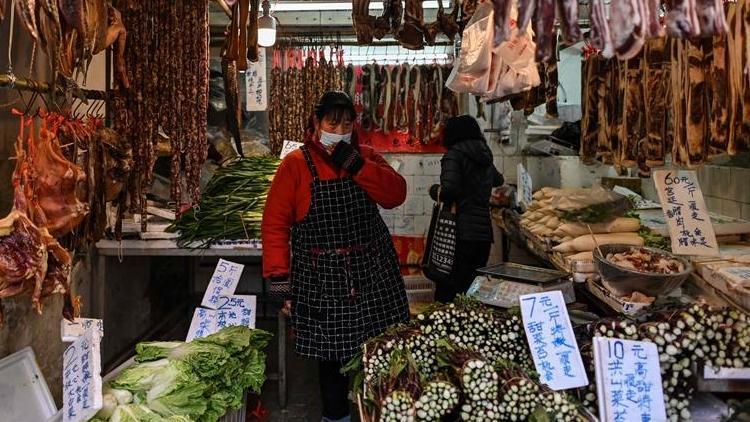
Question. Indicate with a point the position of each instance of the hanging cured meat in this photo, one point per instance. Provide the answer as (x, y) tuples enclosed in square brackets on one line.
[(31, 260), (57, 183), (167, 65)]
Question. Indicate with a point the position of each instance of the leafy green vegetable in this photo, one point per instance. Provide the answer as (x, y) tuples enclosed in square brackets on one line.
[(153, 350), (178, 391), (190, 382), (139, 377), (135, 413), (231, 205), (655, 240)]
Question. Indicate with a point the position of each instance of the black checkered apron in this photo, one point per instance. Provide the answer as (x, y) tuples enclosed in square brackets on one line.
[(346, 282)]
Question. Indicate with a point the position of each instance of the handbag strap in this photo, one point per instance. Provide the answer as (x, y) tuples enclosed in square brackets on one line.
[(454, 207)]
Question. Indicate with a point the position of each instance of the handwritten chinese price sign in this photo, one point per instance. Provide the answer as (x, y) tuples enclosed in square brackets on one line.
[(289, 147), (202, 323), (223, 283), (552, 342), (628, 381), (82, 381), (236, 310), (70, 331), (524, 185), (255, 84), (686, 213)]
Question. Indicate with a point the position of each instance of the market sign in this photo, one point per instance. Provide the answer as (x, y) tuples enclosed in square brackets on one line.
[(236, 310), (82, 381), (685, 210), (552, 341), (288, 147), (628, 381), (71, 330), (256, 87), (525, 187), (223, 283)]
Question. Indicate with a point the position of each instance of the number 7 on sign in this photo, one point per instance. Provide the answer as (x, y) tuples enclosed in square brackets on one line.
[(531, 299)]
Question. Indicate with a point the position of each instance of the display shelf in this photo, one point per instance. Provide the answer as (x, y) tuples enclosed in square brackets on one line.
[(168, 247)]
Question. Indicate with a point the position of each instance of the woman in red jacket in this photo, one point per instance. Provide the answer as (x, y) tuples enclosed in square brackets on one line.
[(342, 272)]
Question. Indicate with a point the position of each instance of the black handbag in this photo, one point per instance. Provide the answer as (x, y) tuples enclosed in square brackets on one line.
[(440, 250)]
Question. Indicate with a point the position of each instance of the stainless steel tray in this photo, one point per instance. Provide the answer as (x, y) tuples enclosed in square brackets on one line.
[(523, 273)]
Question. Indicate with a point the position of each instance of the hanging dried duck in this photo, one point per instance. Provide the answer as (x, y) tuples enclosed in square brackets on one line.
[(31, 259)]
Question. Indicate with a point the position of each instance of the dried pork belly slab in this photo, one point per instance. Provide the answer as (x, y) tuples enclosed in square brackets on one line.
[(719, 96), (697, 105), (590, 125), (656, 96)]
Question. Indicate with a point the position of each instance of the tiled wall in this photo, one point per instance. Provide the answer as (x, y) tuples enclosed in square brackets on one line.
[(726, 190), (422, 171)]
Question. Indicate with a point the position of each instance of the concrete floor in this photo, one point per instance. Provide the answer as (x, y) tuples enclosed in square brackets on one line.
[(303, 392)]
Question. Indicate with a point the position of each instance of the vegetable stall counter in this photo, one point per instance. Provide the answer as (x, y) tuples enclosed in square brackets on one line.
[(115, 261)]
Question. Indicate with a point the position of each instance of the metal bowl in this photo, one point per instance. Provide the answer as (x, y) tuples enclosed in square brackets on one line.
[(624, 281)]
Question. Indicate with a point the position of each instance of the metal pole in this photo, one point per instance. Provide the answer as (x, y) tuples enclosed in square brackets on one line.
[(25, 84)]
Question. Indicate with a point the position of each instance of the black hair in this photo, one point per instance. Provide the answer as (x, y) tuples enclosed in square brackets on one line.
[(335, 105), (461, 128)]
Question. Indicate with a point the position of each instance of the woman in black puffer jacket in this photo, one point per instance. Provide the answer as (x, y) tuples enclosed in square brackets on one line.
[(467, 178)]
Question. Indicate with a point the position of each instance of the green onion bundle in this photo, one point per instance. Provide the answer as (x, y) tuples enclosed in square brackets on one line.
[(684, 337), (231, 205)]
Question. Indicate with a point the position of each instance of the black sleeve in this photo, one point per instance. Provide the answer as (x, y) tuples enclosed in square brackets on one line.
[(497, 178), (451, 177)]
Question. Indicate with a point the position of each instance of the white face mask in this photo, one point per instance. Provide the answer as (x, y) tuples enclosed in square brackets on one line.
[(331, 139)]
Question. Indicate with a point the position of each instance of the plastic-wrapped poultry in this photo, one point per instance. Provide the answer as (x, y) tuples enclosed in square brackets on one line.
[(471, 71), (513, 67)]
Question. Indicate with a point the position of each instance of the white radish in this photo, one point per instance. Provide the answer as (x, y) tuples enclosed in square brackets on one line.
[(586, 242), (618, 225)]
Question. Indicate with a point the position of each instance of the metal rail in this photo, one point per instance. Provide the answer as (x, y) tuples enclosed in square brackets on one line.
[(24, 84)]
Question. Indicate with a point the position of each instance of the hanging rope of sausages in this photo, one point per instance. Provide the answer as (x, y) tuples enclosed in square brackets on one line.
[(299, 77), (167, 63)]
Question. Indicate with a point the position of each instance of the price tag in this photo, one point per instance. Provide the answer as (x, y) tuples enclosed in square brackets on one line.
[(235, 310), (256, 90), (628, 381), (552, 341), (202, 324), (686, 213), (524, 185), (288, 147), (223, 283), (70, 331), (82, 381)]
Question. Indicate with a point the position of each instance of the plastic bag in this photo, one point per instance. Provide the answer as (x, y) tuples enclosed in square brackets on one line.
[(471, 71), (592, 205), (514, 69)]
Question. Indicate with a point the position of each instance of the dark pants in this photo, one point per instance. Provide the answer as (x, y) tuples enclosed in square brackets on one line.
[(334, 390), (469, 257)]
